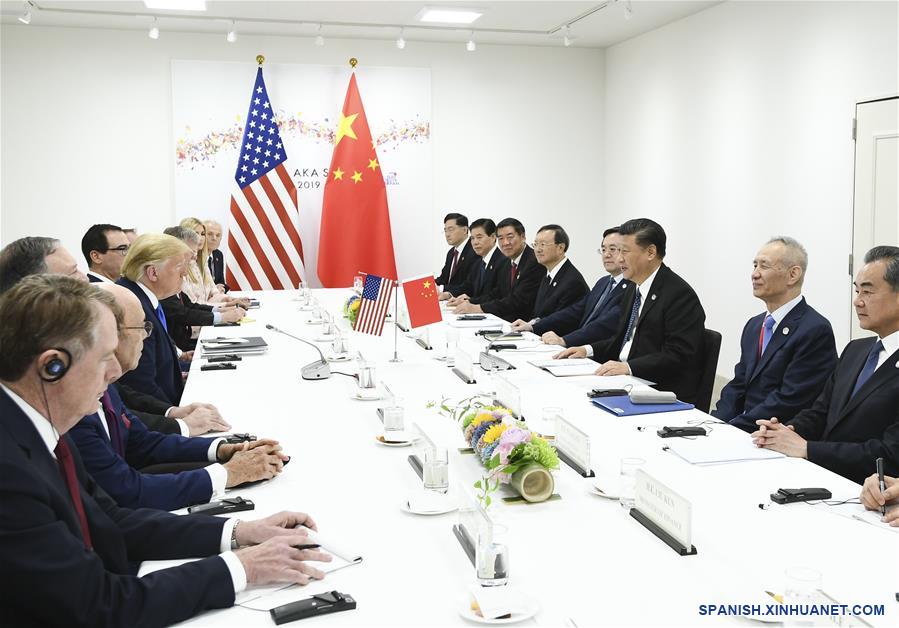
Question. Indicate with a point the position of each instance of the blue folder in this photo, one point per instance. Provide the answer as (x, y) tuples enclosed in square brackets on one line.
[(622, 406)]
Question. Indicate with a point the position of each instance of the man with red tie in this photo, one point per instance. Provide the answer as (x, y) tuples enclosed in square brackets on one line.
[(69, 552), (459, 259), (517, 281)]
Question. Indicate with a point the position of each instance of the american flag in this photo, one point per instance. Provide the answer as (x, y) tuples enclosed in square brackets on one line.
[(375, 301), (264, 239)]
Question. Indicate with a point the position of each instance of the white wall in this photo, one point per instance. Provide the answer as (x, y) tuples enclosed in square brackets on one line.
[(86, 129), (733, 125)]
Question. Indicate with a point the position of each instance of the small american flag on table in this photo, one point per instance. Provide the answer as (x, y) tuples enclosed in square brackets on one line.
[(375, 300)]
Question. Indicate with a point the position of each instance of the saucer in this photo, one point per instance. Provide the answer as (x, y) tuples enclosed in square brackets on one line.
[(370, 394), (345, 357), (607, 494), (449, 506), (468, 613), (393, 443)]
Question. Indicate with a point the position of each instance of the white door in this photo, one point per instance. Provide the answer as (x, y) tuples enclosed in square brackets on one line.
[(875, 218)]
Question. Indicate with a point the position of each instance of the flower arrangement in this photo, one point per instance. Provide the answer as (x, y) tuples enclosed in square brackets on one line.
[(351, 309), (506, 447)]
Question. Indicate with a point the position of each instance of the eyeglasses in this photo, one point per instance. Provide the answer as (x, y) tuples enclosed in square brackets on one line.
[(147, 327), (123, 249)]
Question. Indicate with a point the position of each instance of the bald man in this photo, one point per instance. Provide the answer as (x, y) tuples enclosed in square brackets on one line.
[(216, 260)]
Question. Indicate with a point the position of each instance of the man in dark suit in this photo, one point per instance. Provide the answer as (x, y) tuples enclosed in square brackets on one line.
[(182, 315), (104, 248), (659, 335), (216, 260), (114, 443), (517, 281), (595, 315), (69, 553), (460, 259), (563, 284), (481, 277), (855, 419), (153, 270), (786, 353)]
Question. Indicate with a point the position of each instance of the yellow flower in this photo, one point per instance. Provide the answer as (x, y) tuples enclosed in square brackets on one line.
[(483, 416), (494, 432)]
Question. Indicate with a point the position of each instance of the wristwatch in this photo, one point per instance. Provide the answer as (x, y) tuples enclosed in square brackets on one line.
[(234, 543)]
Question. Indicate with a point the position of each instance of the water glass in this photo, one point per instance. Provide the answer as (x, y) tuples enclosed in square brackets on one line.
[(627, 481), (316, 313), (550, 414), (801, 585), (367, 375), (340, 345), (452, 344), (436, 469), (393, 419), (492, 555)]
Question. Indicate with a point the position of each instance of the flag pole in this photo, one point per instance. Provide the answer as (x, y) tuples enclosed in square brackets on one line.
[(396, 324)]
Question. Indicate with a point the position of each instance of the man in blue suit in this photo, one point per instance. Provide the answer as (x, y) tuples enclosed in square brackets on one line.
[(594, 316), (855, 419), (154, 270), (787, 352), (69, 552), (114, 443)]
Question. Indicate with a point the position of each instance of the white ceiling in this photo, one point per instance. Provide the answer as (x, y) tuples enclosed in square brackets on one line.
[(595, 24)]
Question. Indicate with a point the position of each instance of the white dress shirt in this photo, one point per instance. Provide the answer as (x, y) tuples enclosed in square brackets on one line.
[(50, 437), (98, 276), (890, 346), (781, 313)]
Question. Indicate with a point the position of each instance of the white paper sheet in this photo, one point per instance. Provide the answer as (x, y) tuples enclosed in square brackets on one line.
[(707, 451)]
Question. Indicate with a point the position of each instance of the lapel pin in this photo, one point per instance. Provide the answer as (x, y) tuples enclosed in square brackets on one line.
[(897, 365), (653, 297), (555, 284), (786, 331)]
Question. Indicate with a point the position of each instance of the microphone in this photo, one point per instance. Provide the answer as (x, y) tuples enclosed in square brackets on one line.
[(314, 370), (489, 361)]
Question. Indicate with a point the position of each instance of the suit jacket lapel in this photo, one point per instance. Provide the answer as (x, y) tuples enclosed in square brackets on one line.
[(886, 373), (787, 328), (657, 287)]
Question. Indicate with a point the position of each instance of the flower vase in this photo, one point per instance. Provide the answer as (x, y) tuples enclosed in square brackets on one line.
[(533, 482)]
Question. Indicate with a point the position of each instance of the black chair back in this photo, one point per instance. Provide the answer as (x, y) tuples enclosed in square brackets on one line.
[(711, 346)]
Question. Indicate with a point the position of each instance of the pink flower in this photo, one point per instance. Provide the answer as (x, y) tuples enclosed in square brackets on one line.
[(509, 439)]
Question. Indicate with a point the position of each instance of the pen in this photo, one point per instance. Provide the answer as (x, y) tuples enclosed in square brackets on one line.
[(883, 486), (777, 598), (307, 547)]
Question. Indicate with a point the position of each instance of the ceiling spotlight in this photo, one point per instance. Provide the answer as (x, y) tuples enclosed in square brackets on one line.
[(231, 37), (401, 41), (567, 39), (628, 11), (154, 31), (25, 18), (319, 39), (471, 46)]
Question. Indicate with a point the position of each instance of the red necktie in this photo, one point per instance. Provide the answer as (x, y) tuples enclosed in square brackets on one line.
[(453, 265), (514, 272), (67, 469), (115, 434)]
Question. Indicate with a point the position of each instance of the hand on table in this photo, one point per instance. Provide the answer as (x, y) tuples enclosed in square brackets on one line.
[(573, 352), (774, 435), (552, 338), (873, 499), (278, 560), (260, 460), (613, 367), (521, 325)]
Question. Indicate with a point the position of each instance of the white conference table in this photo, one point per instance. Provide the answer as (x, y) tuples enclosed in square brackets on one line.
[(582, 558)]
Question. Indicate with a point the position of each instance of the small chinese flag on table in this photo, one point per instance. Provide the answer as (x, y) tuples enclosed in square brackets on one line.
[(421, 301)]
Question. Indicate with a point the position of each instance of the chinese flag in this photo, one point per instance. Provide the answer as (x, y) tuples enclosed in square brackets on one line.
[(421, 301), (355, 225)]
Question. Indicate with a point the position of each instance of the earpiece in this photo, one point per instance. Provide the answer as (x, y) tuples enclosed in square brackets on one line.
[(56, 368)]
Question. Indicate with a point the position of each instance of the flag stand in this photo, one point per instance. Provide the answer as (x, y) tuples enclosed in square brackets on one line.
[(396, 325)]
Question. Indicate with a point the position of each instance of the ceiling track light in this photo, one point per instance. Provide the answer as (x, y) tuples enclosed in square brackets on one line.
[(401, 41), (567, 39), (25, 18), (628, 10), (319, 39), (471, 46), (154, 31), (231, 37)]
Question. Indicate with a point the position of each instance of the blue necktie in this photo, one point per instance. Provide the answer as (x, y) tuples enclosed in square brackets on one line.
[(869, 368), (605, 294), (767, 331), (632, 321), (482, 272), (161, 315)]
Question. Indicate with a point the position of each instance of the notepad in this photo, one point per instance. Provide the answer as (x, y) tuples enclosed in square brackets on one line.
[(622, 406), (567, 368), (709, 451)]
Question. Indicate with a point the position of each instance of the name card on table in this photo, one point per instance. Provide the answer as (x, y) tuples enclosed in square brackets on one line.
[(663, 512), (463, 366), (573, 447), (508, 395), (424, 339), (473, 520), (426, 444)]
